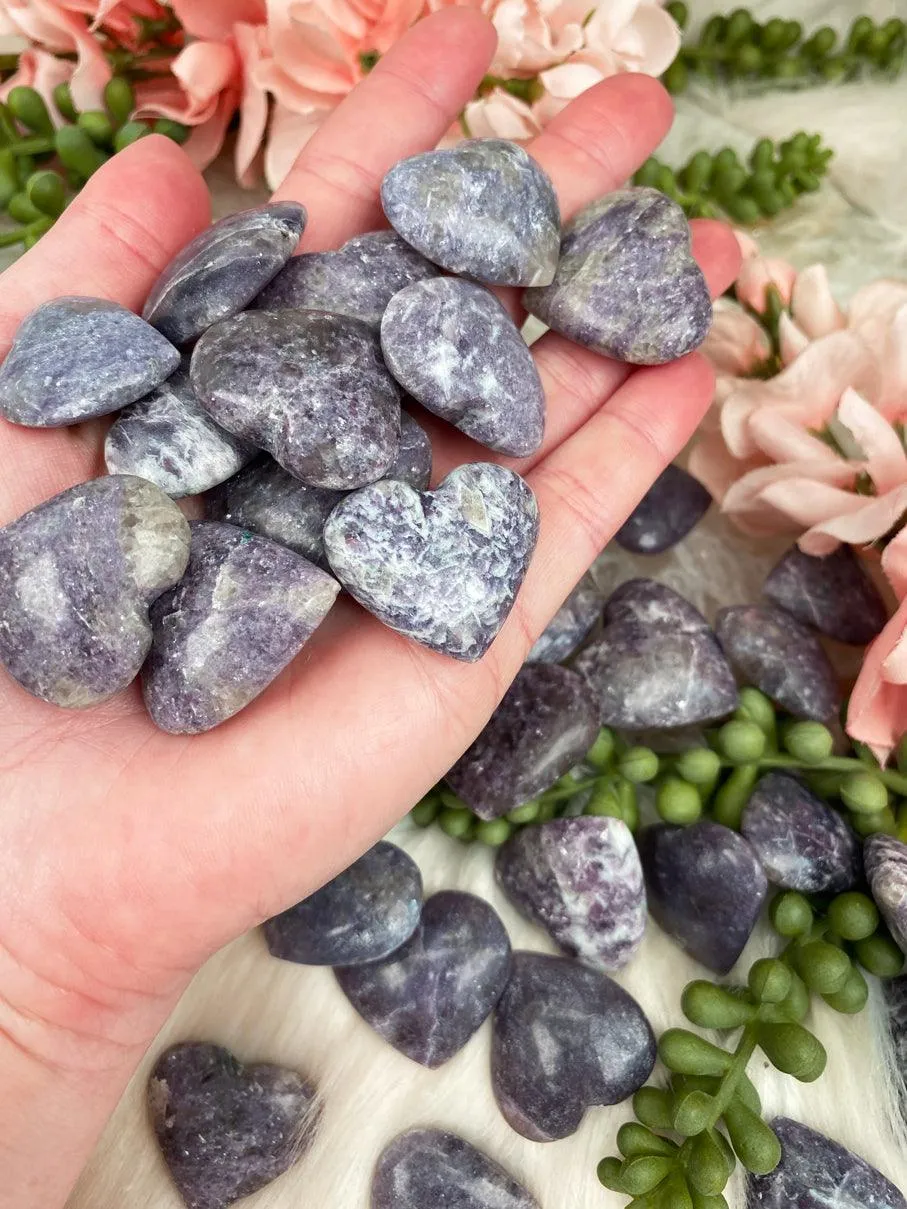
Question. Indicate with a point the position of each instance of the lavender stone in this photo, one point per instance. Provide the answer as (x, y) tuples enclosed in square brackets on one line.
[(705, 889), (413, 461), (363, 914), (483, 209), (357, 280), (657, 663), (428, 1169), (571, 624), (581, 880), (308, 387), (834, 594), (75, 358), (242, 612), (773, 651), (454, 348), (77, 576), (802, 843), (627, 285), (430, 996), (545, 724), (442, 566), (817, 1173), (895, 991), (227, 1130), (673, 505), (565, 1038), (886, 868), (222, 269)]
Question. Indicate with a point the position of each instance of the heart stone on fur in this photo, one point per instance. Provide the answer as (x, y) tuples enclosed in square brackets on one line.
[(441, 566), (430, 1169), (565, 1038), (571, 624), (835, 594), (223, 268), (430, 996), (483, 209), (627, 285), (227, 1130), (77, 576), (363, 914), (242, 612), (454, 348), (670, 509), (310, 388), (886, 870), (75, 358)]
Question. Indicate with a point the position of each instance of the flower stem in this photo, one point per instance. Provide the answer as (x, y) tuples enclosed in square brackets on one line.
[(746, 1047)]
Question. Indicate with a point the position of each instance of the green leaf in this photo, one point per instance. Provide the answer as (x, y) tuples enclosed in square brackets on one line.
[(640, 1175), (693, 1112), (769, 980), (794, 1050), (756, 1146), (852, 996), (715, 1007), (707, 1166), (634, 1140), (687, 1054), (822, 966), (654, 1107), (609, 1174)]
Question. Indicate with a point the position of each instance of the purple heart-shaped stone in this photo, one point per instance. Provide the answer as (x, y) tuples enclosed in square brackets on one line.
[(835, 594), (570, 625), (428, 1169), (673, 505)]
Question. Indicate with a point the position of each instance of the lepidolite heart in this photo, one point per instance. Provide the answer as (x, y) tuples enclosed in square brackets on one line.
[(570, 625), (673, 505), (226, 1130), (430, 1169), (626, 283), (886, 868), (430, 996), (442, 566), (565, 1038), (835, 594)]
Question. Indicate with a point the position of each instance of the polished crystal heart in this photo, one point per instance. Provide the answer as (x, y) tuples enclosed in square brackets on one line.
[(571, 624), (670, 509), (431, 1169), (886, 868), (483, 209), (565, 1038), (227, 1130), (835, 594), (442, 566), (430, 996), (627, 285)]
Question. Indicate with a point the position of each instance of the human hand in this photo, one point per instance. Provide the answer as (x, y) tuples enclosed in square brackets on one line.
[(129, 855)]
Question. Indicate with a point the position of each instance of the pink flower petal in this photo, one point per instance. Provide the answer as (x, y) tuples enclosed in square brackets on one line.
[(213, 20), (41, 71), (747, 245), (886, 461), (781, 435), (857, 521), (872, 311), (736, 343), (813, 304), (791, 338), (760, 501), (252, 46), (288, 134), (191, 93), (758, 274), (892, 398), (714, 466), (894, 563), (877, 714), (649, 42), (570, 79), (500, 115), (206, 140)]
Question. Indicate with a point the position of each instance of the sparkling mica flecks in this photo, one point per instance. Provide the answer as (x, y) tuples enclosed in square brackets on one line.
[(627, 285), (581, 880), (834, 593), (243, 610), (673, 505), (430, 996), (363, 914), (705, 888), (431, 1169), (74, 358), (802, 842), (483, 209), (441, 566), (545, 724), (565, 1038), (886, 868), (77, 576), (226, 1130), (452, 345), (771, 650), (571, 624), (222, 269), (656, 664)]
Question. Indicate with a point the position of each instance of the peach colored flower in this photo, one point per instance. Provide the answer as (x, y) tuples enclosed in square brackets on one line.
[(214, 20), (736, 344), (757, 274), (877, 713), (42, 71), (52, 27)]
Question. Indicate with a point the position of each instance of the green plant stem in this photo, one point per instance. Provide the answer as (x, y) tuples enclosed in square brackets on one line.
[(746, 1047), (36, 146)]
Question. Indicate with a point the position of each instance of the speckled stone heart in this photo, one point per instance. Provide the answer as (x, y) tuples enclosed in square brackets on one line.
[(670, 509), (483, 209), (227, 1130), (885, 858), (570, 625), (627, 285), (442, 566), (834, 594), (430, 1169)]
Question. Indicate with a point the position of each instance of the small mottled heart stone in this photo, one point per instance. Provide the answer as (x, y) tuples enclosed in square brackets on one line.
[(545, 724), (241, 613), (430, 1169), (627, 285), (430, 996), (565, 1038), (441, 566), (77, 576), (581, 880), (358, 280), (802, 842), (835, 594), (705, 889), (223, 268), (673, 505), (363, 914), (570, 625), (483, 209), (169, 439), (817, 1173), (75, 358), (453, 346), (308, 387), (771, 650), (656, 664), (885, 859), (226, 1130)]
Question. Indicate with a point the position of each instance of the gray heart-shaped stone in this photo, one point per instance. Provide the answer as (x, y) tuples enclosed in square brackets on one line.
[(483, 209), (428, 1169), (834, 594), (627, 285), (570, 625), (885, 859), (670, 509), (442, 566)]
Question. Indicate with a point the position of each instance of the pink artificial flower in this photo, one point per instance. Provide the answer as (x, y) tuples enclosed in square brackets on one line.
[(42, 71), (214, 20), (757, 274), (736, 344), (877, 713), (48, 25)]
